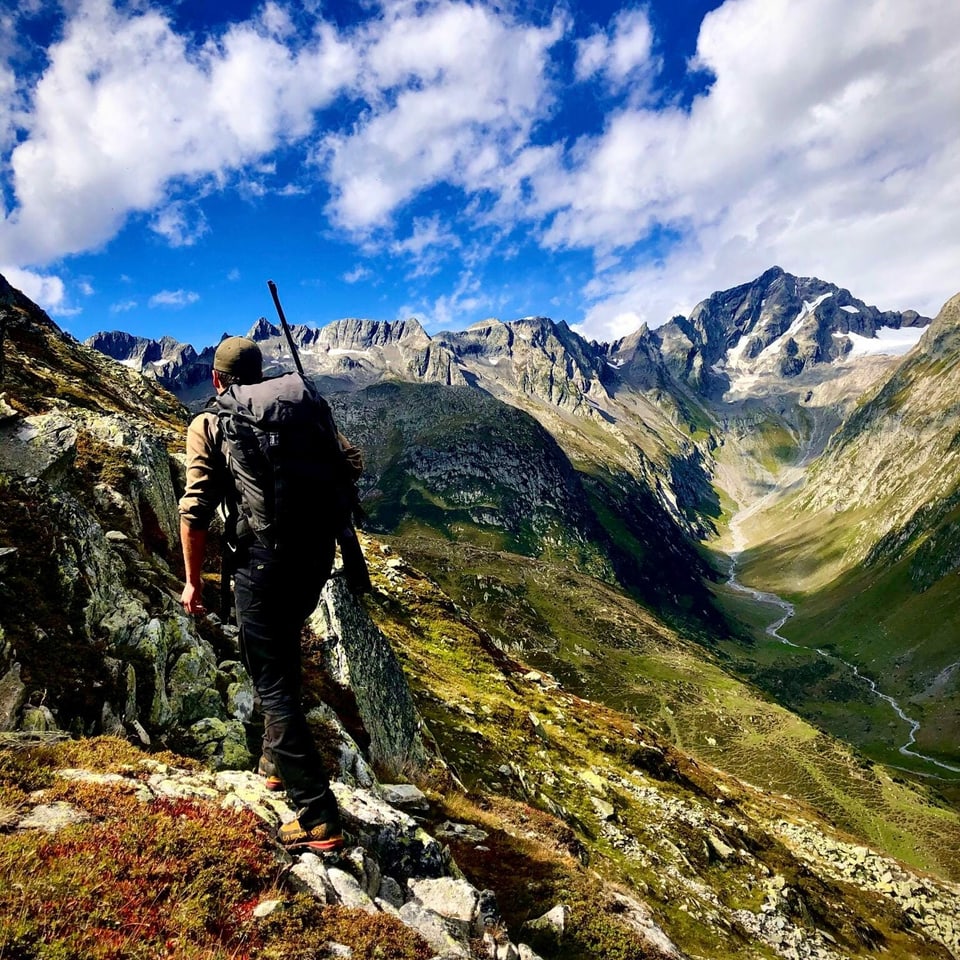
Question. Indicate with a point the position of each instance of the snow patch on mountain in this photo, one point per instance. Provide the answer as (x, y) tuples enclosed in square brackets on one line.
[(773, 349), (889, 340)]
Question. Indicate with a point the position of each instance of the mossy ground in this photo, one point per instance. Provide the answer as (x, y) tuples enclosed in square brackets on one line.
[(149, 879), (530, 754), (602, 646)]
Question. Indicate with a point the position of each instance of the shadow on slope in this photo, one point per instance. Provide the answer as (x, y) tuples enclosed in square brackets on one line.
[(456, 462)]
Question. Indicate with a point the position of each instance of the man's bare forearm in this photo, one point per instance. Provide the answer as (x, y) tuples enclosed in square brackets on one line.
[(194, 542)]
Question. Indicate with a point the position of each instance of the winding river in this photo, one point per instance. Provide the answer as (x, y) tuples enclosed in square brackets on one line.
[(786, 612)]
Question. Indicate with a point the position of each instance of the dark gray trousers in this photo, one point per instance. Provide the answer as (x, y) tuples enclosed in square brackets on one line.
[(275, 593)]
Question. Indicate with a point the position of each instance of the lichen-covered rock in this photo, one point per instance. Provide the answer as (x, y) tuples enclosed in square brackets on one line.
[(364, 869), (637, 915), (52, 817), (309, 875), (402, 848), (240, 693), (354, 770), (38, 720), (437, 931), (192, 686), (222, 743), (358, 656), (349, 892), (39, 446), (456, 900), (553, 922), (405, 796), (152, 494), (13, 695), (527, 953)]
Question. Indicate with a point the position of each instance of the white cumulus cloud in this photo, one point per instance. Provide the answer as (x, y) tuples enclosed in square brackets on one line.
[(622, 54), (454, 91), (829, 142), (126, 109), (180, 224), (174, 298)]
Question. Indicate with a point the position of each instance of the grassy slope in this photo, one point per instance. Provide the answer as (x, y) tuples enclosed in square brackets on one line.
[(603, 646), (874, 617)]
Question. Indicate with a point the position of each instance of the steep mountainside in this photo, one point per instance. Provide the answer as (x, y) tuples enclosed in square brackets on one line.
[(869, 546), (459, 463)]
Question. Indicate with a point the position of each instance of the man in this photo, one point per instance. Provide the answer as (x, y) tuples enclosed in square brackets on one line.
[(275, 592)]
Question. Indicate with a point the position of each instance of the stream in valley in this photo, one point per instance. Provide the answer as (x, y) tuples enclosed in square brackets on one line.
[(786, 611)]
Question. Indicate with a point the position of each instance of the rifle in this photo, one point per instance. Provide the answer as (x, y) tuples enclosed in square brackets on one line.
[(354, 565), (286, 326)]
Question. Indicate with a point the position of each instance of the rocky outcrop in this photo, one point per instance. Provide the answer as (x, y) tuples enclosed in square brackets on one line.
[(534, 357), (358, 658), (90, 564), (354, 353)]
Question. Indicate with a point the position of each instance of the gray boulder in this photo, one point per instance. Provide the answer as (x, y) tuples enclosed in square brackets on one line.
[(357, 655)]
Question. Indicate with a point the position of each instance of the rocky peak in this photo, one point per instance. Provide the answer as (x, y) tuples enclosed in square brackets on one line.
[(636, 359), (263, 329), (536, 356), (366, 334), (776, 326)]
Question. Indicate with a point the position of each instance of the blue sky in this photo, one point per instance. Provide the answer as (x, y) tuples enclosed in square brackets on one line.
[(603, 164)]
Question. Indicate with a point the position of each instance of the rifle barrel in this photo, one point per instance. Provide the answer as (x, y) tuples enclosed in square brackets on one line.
[(286, 326)]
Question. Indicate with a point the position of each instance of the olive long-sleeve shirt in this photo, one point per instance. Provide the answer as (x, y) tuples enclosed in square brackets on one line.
[(208, 479)]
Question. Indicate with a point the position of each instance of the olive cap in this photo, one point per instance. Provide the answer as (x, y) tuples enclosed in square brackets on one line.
[(241, 358)]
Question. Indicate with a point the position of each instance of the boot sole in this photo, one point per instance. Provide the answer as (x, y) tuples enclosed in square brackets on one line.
[(316, 846)]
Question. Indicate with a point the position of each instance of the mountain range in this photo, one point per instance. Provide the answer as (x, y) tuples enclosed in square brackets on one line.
[(559, 535), (666, 428)]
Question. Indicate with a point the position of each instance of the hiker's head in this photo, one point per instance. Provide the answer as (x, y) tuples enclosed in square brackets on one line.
[(237, 360)]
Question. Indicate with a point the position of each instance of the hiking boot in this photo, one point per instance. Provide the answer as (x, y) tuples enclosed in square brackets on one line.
[(322, 838), (268, 771)]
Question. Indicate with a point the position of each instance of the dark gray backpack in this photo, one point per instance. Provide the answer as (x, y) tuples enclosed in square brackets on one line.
[(281, 445)]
